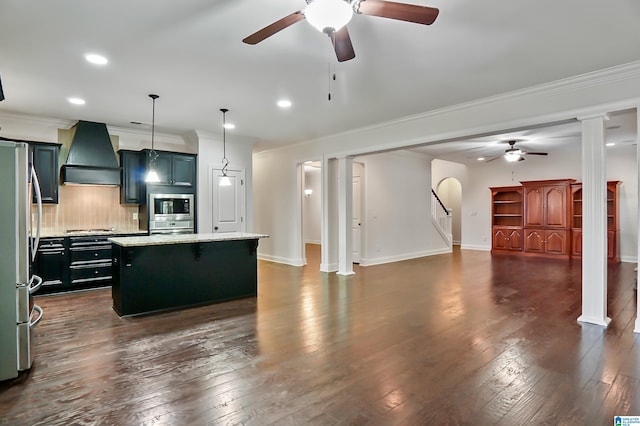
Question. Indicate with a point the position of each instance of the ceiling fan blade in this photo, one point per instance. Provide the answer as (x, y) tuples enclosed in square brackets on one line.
[(521, 158), (401, 11), (342, 45), (270, 30), (535, 153), (493, 159)]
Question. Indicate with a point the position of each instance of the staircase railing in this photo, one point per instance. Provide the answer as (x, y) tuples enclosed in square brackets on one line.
[(441, 218)]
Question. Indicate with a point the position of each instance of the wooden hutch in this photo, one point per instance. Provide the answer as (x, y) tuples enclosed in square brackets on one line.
[(544, 218)]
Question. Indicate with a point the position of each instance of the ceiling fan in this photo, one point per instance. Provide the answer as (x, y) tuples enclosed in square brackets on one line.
[(512, 153), (332, 16)]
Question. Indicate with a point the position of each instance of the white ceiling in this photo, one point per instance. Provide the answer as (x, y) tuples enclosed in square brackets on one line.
[(190, 53)]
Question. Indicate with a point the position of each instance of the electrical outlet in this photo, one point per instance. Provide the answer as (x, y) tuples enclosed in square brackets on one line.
[(135, 216)]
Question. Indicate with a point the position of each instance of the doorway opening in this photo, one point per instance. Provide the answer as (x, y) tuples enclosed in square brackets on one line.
[(449, 191), (312, 212)]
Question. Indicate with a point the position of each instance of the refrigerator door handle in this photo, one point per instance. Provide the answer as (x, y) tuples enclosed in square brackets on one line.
[(33, 323), (36, 185), (34, 287)]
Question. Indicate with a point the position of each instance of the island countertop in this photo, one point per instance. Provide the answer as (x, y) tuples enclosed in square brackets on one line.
[(165, 239)]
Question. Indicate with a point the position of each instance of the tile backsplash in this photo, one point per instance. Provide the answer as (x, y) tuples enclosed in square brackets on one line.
[(88, 207)]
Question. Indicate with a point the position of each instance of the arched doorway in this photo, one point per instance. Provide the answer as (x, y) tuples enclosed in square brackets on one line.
[(449, 191)]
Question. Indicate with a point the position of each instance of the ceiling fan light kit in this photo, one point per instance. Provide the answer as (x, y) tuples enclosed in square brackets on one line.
[(328, 16), (513, 156)]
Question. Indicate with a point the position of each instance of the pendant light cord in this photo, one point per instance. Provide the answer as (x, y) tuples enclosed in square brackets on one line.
[(153, 155), (225, 162)]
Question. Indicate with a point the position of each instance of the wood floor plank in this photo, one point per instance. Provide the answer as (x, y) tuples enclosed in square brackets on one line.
[(466, 338)]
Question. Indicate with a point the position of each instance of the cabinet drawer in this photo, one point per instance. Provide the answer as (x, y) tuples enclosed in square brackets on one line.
[(90, 272), (87, 254)]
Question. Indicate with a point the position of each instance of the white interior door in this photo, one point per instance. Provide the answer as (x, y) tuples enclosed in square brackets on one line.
[(356, 220), (228, 202)]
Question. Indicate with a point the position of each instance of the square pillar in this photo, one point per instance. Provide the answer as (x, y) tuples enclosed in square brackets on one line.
[(345, 214), (594, 222)]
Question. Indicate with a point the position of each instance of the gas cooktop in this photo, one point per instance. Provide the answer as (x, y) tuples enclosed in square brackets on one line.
[(91, 231)]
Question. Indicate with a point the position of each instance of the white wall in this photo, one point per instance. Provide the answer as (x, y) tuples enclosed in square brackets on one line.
[(312, 205), (238, 151), (397, 208), (477, 178)]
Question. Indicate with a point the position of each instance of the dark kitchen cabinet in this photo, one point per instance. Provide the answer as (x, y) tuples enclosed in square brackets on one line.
[(131, 177), (52, 264), (90, 261), (174, 169), (45, 161)]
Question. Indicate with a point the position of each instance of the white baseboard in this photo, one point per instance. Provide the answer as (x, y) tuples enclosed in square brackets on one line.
[(331, 267), (317, 242), (284, 260), (401, 257), (475, 247), (629, 259)]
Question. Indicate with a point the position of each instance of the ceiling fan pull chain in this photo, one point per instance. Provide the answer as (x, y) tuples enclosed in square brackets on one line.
[(329, 88)]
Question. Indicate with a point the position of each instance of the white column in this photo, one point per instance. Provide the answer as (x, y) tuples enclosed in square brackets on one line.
[(636, 328), (594, 222), (345, 214), (329, 233)]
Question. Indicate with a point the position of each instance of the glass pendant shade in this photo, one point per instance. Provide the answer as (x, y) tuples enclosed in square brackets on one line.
[(328, 16), (152, 176), (224, 181)]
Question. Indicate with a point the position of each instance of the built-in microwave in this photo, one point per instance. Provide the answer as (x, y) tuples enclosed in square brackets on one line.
[(171, 213)]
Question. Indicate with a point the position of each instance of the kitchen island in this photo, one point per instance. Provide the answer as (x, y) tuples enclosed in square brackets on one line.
[(163, 272)]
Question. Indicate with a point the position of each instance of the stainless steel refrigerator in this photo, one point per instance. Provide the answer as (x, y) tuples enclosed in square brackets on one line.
[(18, 245)]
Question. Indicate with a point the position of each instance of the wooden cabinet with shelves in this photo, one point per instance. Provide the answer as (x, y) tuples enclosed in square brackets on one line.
[(547, 217), (612, 220), (506, 218)]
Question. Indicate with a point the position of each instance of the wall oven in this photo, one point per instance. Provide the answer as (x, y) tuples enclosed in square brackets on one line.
[(171, 214)]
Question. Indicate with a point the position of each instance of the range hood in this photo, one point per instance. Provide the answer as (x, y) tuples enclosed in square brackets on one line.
[(91, 159)]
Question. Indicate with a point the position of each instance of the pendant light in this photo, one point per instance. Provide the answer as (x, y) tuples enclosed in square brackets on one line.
[(224, 180), (152, 175)]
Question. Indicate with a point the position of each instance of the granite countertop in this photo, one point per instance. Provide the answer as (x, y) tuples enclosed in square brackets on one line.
[(164, 239), (89, 233)]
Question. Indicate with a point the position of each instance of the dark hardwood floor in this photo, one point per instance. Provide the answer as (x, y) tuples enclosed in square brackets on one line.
[(465, 339)]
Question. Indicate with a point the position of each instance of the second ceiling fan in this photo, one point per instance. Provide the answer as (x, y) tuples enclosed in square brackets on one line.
[(512, 153), (332, 16)]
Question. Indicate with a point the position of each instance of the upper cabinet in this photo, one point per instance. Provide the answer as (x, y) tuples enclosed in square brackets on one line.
[(546, 203), (174, 169), (45, 161), (176, 172), (131, 177)]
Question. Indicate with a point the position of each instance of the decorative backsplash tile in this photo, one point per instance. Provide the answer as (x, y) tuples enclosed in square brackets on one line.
[(88, 207)]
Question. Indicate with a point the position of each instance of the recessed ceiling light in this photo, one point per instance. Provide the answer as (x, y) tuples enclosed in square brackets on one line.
[(96, 59), (480, 158), (76, 101), (610, 144), (284, 103), (229, 126)]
